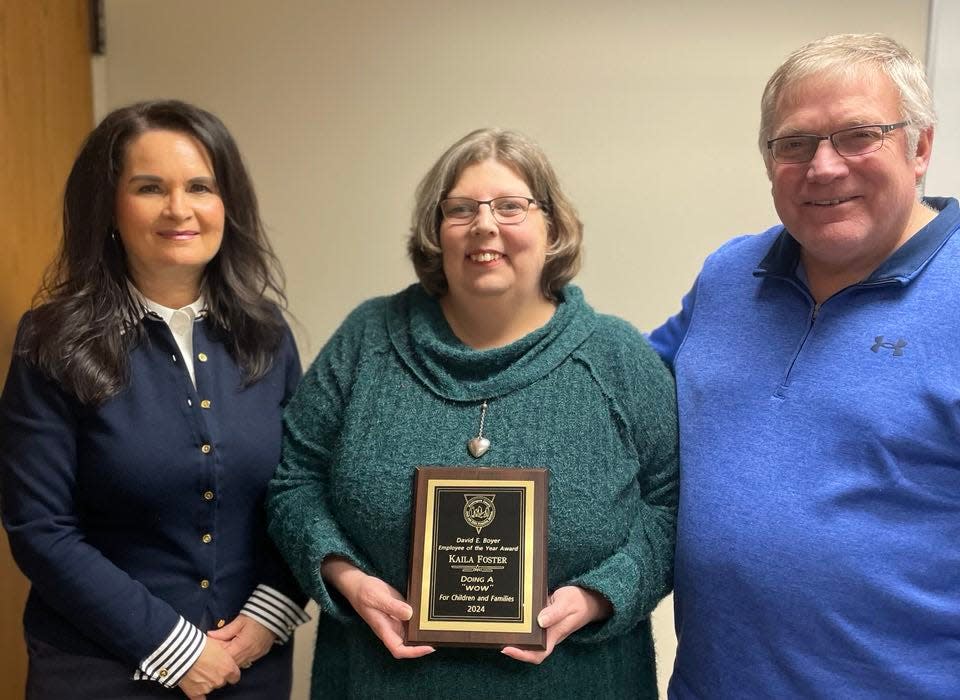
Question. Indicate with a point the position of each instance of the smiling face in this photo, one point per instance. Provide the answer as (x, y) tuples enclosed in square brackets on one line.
[(848, 213), (169, 213), (484, 259)]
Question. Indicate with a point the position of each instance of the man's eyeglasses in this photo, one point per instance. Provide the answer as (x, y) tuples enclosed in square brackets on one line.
[(506, 210), (852, 141)]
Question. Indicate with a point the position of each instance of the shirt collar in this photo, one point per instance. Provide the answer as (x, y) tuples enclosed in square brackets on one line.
[(902, 266), (165, 313)]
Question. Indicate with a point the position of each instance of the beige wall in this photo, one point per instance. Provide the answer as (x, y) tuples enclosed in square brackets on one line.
[(943, 68), (648, 110)]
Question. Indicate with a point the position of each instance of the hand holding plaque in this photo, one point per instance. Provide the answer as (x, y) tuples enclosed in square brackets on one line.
[(379, 605), (569, 609), (478, 557)]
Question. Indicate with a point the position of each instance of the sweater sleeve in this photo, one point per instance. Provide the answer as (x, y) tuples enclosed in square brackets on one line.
[(299, 515), (639, 573), (668, 338), (278, 600), (39, 429)]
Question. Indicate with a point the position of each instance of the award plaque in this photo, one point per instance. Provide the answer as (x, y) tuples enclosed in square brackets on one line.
[(478, 557)]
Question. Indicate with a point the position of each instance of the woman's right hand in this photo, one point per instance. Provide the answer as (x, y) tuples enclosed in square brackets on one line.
[(213, 669), (380, 605)]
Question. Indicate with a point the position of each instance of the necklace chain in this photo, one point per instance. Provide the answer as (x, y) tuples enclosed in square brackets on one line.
[(483, 415)]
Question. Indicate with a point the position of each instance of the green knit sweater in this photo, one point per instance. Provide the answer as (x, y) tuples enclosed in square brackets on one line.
[(584, 396)]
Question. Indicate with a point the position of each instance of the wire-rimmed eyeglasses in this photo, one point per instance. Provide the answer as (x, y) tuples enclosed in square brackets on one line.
[(506, 210), (852, 141)]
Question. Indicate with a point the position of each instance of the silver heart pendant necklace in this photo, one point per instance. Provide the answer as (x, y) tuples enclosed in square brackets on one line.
[(478, 446)]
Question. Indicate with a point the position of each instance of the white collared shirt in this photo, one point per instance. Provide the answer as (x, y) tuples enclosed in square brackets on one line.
[(180, 321)]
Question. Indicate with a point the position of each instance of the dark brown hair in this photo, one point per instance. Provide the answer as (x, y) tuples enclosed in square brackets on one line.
[(85, 321)]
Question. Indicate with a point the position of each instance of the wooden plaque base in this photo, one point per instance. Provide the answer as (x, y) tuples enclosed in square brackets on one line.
[(478, 557)]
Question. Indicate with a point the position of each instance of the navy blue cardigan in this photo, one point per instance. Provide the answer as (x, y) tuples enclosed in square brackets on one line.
[(107, 507)]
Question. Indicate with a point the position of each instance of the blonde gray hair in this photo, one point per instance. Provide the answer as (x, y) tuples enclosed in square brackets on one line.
[(564, 229), (842, 55)]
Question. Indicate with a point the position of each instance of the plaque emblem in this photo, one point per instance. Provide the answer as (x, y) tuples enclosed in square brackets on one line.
[(479, 510)]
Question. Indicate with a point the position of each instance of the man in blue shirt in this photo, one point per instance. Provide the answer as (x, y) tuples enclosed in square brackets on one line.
[(818, 378)]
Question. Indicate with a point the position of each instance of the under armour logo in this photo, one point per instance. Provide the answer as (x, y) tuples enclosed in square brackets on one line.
[(897, 347)]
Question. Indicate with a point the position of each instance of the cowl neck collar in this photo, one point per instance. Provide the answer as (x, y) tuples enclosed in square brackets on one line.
[(425, 343)]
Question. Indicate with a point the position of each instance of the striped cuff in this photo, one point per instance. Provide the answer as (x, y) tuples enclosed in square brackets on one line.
[(174, 657), (275, 611)]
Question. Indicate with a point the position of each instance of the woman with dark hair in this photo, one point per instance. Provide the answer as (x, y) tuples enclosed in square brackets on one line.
[(492, 359), (140, 424)]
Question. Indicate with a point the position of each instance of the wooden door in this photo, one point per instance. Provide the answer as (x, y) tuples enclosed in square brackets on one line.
[(45, 111)]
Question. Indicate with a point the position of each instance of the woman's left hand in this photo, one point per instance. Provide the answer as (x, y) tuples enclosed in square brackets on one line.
[(246, 639), (570, 608)]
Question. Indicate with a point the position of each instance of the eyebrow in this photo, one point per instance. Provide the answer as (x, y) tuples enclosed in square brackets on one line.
[(203, 179), (499, 196), (851, 124)]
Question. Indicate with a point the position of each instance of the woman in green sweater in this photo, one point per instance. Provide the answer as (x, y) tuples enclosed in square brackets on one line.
[(494, 341)]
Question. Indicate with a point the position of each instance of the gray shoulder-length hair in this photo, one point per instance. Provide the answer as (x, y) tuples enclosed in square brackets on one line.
[(844, 55), (564, 228)]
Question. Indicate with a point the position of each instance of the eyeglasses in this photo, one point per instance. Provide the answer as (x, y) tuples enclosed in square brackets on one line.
[(506, 210), (852, 141)]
